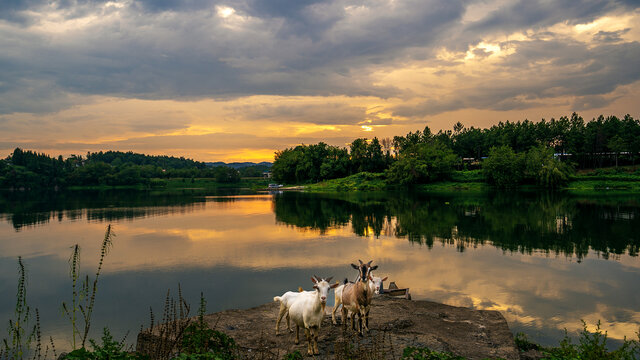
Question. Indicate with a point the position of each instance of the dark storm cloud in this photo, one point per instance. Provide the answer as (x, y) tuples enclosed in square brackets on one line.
[(546, 69), (170, 49), (610, 36), (183, 49), (525, 14)]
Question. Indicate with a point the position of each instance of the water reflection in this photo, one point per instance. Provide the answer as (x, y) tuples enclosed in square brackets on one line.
[(515, 222), (544, 260)]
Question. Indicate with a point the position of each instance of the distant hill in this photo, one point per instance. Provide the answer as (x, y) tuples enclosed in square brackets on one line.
[(239, 165)]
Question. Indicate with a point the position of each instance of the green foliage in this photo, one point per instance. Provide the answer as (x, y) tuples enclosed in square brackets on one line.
[(363, 181), (108, 350), (199, 341), (468, 176), (523, 343), (422, 163), (296, 355), (593, 346), (542, 168), (424, 353), (21, 332), (503, 167), (83, 295)]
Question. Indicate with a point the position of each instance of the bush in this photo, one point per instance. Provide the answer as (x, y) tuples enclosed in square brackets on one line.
[(593, 346), (423, 163), (542, 168), (503, 167), (109, 350)]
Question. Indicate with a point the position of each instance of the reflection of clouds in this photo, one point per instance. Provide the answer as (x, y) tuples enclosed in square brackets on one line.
[(539, 291)]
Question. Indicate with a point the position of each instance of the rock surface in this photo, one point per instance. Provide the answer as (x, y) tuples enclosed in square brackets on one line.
[(394, 323)]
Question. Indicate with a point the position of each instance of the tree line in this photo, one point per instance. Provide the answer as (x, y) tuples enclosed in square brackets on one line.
[(27, 169), (509, 153)]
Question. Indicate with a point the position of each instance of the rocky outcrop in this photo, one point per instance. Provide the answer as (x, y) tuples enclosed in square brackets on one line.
[(394, 323)]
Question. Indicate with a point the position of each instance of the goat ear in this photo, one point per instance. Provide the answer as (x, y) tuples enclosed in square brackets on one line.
[(335, 285), (314, 280), (374, 267), (384, 278), (315, 287), (328, 279), (355, 266)]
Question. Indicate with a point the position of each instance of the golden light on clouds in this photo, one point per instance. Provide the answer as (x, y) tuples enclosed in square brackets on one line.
[(227, 80)]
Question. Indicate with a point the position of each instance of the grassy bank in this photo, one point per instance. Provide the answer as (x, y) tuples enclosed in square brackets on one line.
[(623, 179)]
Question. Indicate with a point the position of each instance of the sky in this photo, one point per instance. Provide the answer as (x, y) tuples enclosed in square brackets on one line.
[(237, 80)]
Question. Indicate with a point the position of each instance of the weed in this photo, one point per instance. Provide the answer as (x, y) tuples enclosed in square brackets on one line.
[(424, 353), (83, 296), (592, 346), (109, 350), (22, 334)]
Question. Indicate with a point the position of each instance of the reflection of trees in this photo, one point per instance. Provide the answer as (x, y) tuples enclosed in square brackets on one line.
[(554, 223), (311, 211), (28, 208)]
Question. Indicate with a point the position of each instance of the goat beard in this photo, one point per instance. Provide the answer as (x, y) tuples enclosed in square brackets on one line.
[(323, 305)]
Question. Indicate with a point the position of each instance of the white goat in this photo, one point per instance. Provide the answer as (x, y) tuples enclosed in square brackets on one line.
[(285, 302), (307, 311)]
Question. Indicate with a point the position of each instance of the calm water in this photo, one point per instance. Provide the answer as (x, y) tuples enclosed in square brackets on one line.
[(544, 261)]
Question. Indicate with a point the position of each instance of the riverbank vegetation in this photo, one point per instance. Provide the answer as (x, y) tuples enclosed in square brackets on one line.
[(25, 169), (543, 154)]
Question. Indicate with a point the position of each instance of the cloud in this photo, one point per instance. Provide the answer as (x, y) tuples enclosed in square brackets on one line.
[(537, 72), (325, 114), (610, 36)]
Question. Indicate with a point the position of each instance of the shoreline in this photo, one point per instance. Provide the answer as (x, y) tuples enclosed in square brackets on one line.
[(395, 324)]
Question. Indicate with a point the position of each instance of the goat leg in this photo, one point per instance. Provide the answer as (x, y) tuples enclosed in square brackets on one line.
[(315, 342), (307, 333), (297, 335)]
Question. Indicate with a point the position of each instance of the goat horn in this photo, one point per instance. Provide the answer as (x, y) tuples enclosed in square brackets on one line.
[(360, 262), (369, 263), (329, 279)]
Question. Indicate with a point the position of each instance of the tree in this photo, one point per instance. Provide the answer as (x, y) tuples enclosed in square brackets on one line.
[(503, 167), (543, 169), (423, 163)]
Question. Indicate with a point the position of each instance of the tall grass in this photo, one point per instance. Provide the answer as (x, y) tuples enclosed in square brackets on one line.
[(83, 295), (22, 334)]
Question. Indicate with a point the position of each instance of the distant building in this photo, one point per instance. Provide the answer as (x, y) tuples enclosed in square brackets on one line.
[(266, 174)]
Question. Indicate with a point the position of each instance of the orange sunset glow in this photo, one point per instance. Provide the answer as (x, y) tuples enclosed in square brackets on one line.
[(236, 81)]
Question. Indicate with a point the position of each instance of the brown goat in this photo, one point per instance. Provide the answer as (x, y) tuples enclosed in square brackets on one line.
[(356, 297)]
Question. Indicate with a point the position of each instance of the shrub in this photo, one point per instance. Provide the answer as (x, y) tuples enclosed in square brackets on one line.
[(503, 167)]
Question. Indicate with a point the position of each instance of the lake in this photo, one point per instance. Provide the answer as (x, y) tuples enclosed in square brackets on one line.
[(544, 260)]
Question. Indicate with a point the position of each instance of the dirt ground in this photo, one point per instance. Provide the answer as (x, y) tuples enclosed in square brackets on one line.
[(394, 323)]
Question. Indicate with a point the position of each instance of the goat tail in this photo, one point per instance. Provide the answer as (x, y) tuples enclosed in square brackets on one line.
[(277, 298)]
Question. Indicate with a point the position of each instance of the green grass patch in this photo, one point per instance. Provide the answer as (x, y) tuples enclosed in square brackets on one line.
[(449, 186), (363, 181), (586, 186), (470, 176)]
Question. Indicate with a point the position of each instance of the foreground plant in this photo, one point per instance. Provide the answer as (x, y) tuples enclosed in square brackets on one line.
[(593, 346), (108, 350), (84, 296), (22, 333)]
